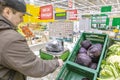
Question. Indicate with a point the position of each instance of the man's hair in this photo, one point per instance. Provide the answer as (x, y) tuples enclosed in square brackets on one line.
[(2, 3), (2, 7)]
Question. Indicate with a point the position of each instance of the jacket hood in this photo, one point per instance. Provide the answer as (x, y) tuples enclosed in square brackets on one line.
[(5, 24)]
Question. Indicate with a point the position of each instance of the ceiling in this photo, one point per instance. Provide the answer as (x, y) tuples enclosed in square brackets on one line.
[(83, 6)]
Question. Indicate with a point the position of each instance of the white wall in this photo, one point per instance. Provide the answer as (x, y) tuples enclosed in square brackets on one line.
[(85, 24)]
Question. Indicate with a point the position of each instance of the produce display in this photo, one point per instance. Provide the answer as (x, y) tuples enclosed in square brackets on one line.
[(85, 59), (111, 65), (89, 54), (31, 29), (27, 32)]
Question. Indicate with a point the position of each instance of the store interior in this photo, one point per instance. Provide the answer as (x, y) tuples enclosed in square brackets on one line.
[(69, 23)]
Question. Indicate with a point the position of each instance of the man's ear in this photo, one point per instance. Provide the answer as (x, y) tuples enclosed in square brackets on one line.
[(6, 12)]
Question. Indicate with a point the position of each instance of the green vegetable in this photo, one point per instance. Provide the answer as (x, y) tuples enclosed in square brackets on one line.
[(111, 65), (113, 59), (110, 78), (110, 70), (114, 49)]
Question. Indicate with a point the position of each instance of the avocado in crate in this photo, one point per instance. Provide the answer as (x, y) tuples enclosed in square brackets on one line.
[(47, 55), (89, 50), (71, 72)]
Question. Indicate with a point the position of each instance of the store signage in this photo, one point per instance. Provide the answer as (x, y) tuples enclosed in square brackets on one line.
[(116, 22), (61, 15), (106, 8), (86, 16), (70, 3), (46, 12), (72, 14)]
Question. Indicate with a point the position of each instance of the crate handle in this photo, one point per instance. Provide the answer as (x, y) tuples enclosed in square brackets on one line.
[(94, 36)]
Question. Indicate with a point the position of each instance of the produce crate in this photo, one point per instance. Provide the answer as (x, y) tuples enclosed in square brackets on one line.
[(94, 38), (52, 55), (71, 72), (110, 43)]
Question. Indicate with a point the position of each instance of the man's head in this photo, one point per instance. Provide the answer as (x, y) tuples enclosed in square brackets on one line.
[(13, 10)]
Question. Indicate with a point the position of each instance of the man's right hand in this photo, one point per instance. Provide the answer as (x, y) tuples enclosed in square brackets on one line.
[(60, 62)]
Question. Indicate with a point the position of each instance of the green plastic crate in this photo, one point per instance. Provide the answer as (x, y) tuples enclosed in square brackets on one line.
[(112, 41), (51, 55), (71, 72), (94, 38)]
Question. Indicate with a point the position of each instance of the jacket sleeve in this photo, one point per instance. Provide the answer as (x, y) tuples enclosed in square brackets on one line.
[(18, 56)]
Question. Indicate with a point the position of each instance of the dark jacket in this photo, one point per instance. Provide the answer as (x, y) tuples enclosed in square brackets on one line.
[(15, 55)]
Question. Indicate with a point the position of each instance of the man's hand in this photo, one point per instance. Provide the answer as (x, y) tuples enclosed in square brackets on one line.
[(60, 62)]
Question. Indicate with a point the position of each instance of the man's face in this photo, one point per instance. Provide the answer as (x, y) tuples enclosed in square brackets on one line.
[(16, 18)]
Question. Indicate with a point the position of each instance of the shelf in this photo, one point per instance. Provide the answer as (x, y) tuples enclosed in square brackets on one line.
[(37, 46), (98, 23)]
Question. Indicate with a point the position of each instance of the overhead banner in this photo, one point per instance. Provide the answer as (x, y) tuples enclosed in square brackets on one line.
[(72, 14), (106, 8), (116, 22), (46, 12)]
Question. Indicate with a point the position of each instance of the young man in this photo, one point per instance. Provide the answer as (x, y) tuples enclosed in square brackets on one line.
[(16, 59)]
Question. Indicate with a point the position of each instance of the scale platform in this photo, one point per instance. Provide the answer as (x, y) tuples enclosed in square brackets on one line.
[(47, 55)]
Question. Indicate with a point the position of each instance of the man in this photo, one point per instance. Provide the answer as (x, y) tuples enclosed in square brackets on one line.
[(16, 59)]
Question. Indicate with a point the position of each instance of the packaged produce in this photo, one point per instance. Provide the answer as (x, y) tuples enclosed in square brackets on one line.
[(54, 46)]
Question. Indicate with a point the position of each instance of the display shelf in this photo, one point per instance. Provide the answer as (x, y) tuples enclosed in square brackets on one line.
[(62, 30), (37, 46), (98, 22), (117, 36), (32, 45)]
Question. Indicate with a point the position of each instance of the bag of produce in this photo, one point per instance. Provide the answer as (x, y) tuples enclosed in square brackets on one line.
[(55, 46)]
